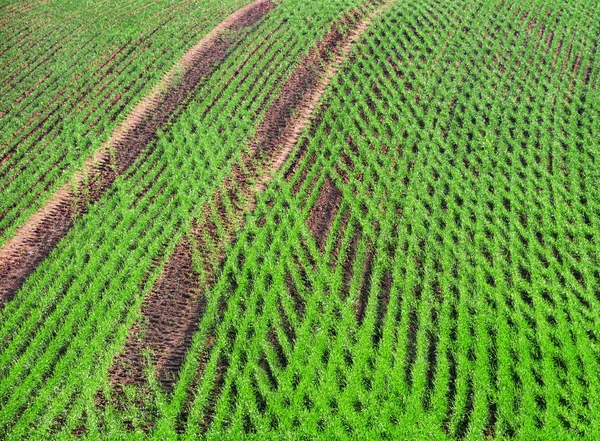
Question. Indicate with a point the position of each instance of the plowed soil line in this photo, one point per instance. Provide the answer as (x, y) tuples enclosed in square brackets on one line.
[(34, 241), (162, 320), (276, 136)]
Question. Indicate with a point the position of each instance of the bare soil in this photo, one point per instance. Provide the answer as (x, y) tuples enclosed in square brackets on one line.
[(365, 288), (348, 263), (35, 240), (168, 323), (383, 298)]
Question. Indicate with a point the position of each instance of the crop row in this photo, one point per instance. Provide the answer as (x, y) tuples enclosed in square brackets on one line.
[(67, 323), (426, 264), (429, 265), (80, 80)]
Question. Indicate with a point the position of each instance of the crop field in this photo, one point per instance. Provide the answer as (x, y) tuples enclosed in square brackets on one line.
[(289, 220)]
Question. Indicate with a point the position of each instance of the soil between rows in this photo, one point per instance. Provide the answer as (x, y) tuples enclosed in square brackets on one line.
[(324, 211)]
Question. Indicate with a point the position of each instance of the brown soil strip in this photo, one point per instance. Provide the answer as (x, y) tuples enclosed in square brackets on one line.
[(588, 74), (286, 325), (34, 241), (271, 377), (168, 324), (576, 65), (277, 348), (549, 40), (432, 355), (411, 348), (299, 303), (324, 211), (276, 136)]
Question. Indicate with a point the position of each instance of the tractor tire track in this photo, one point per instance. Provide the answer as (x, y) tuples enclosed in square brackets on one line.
[(35, 240)]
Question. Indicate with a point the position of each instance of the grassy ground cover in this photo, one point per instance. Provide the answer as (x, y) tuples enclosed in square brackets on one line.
[(424, 266)]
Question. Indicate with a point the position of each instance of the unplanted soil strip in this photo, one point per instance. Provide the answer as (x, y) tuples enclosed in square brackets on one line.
[(276, 136), (35, 240)]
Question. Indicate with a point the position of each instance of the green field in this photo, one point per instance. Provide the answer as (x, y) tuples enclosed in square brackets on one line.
[(339, 220)]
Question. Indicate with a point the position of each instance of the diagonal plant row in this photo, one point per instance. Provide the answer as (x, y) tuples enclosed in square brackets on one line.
[(172, 310), (34, 241), (78, 306), (445, 293)]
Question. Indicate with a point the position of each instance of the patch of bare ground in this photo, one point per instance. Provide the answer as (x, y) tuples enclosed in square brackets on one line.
[(411, 345), (324, 211), (168, 324), (276, 136), (34, 241)]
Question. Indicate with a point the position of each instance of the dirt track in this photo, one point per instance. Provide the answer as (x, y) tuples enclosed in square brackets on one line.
[(169, 324), (277, 135), (35, 240)]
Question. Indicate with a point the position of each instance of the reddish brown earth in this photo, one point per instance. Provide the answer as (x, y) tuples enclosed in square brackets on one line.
[(576, 64), (588, 74), (324, 211), (276, 136), (549, 40), (35, 240), (168, 324)]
